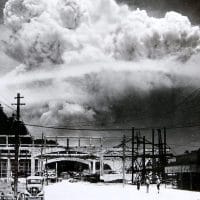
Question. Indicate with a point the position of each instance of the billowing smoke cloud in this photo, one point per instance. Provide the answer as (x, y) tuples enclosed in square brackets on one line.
[(68, 31), (98, 61)]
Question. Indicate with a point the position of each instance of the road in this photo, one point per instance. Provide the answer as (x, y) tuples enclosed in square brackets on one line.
[(88, 191)]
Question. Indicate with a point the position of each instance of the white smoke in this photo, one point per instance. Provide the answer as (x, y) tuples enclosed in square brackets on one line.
[(80, 56), (17, 13), (64, 31), (140, 36)]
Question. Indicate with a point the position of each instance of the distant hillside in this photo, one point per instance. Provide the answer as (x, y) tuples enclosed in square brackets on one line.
[(8, 125)]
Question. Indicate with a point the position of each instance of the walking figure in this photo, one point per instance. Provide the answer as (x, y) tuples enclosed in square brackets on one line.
[(138, 183), (158, 184), (2, 196), (147, 183)]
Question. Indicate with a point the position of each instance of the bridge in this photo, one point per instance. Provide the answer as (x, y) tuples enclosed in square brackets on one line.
[(133, 154)]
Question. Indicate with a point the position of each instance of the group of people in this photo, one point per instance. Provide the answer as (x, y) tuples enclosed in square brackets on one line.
[(147, 183)]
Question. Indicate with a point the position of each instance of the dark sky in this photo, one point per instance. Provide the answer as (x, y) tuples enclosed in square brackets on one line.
[(190, 8)]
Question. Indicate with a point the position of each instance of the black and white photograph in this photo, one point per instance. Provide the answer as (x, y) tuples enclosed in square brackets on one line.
[(99, 99)]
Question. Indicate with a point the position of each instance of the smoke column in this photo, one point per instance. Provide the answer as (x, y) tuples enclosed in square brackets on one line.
[(85, 60)]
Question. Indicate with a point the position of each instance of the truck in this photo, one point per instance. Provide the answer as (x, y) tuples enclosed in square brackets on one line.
[(34, 188)]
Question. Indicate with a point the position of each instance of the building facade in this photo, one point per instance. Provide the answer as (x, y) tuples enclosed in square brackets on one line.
[(185, 171)]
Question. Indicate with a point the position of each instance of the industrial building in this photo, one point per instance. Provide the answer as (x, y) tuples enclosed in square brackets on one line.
[(185, 170)]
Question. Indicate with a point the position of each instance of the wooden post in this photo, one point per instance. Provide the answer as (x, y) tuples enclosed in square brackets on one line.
[(17, 143), (41, 158), (160, 146), (46, 169), (165, 147), (101, 159), (90, 141), (124, 157), (56, 171), (79, 142), (67, 143), (153, 153), (191, 181), (165, 153), (143, 159), (132, 160)]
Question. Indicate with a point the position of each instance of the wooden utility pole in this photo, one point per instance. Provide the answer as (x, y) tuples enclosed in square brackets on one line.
[(143, 159), (161, 156), (67, 144), (41, 156), (46, 169), (165, 154), (153, 154), (17, 133), (124, 157), (132, 160), (165, 147)]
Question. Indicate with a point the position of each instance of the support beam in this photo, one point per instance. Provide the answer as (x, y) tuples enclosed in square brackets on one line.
[(101, 165), (8, 169), (79, 142), (7, 143), (94, 166), (67, 143), (90, 141), (56, 171), (32, 166), (143, 159)]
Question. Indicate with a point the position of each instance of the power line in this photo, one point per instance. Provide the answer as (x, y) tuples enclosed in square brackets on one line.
[(79, 129), (183, 145), (114, 129), (11, 108), (6, 100)]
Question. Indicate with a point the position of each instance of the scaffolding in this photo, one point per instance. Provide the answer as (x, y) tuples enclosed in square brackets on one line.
[(149, 157)]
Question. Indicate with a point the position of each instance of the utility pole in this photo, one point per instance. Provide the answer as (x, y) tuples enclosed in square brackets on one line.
[(17, 133), (132, 160), (153, 154), (101, 158), (165, 147), (165, 154), (160, 146), (143, 159), (46, 167), (42, 148), (67, 144), (124, 157)]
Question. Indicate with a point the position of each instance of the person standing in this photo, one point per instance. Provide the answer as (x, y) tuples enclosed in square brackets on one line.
[(147, 181), (158, 184), (138, 183), (2, 196)]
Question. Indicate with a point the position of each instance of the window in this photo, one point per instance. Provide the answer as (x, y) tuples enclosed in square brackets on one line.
[(34, 181)]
